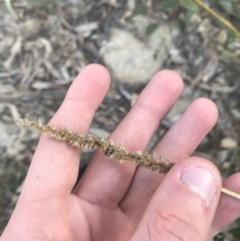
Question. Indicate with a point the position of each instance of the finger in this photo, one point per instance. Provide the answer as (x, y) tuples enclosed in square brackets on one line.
[(184, 205), (228, 209), (179, 143), (104, 176), (54, 167)]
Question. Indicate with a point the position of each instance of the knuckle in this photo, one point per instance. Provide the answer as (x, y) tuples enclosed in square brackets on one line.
[(173, 225)]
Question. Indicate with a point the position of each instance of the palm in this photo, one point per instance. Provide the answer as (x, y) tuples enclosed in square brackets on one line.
[(67, 218), (111, 198)]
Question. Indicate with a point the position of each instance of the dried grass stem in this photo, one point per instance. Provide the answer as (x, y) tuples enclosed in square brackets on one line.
[(110, 149)]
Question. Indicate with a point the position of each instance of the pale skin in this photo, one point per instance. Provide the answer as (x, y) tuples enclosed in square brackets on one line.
[(122, 202)]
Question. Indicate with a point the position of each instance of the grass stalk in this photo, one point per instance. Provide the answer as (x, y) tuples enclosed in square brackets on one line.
[(110, 149)]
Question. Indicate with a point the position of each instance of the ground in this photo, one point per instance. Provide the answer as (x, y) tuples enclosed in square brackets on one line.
[(44, 47)]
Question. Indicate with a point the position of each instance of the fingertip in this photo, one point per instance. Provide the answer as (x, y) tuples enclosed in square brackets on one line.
[(208, 109), (84, 95), (198, 175), (234, 178), (97, 73), (232, 183), (171, 78), (228, 209), (203, 163)]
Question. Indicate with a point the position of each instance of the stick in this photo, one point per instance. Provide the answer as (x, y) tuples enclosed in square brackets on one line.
[(230, 193), (109, 148)]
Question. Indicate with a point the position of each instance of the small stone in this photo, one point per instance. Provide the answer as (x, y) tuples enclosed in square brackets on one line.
[(228, 143), (31, 27), (225, 165), (85, 30), (131, 60), (41, 85), (222, 36), (236, 113)]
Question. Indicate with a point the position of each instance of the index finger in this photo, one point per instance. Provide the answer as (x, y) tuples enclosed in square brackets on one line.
[(55, 165)]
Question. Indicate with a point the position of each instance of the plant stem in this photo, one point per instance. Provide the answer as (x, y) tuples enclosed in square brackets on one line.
[(109, 148), (230, 193), (220, 18)]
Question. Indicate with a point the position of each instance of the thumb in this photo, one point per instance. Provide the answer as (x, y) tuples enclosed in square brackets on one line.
[(184, 204)]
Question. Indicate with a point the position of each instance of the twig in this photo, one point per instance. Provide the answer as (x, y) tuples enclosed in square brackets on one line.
[(110, 149), (220, 18), (230, 193), (8, 4)]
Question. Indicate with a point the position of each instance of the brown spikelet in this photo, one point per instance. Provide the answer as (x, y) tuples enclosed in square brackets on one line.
[(109, 148)]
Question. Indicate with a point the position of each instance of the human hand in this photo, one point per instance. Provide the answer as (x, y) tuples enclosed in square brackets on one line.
[(122, 202)]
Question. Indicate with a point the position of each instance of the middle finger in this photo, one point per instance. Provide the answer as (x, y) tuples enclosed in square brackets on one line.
[(106, 181)]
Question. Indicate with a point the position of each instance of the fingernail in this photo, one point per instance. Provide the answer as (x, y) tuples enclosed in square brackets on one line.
[(200, 181)]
